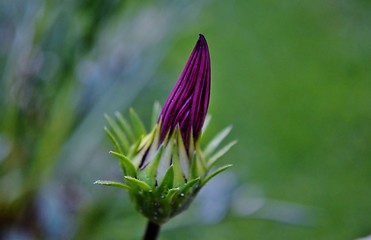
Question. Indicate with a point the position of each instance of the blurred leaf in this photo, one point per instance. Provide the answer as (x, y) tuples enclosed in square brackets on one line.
[(122, 139), (138, 184), (138, 125), (127, 165), (215, 142), (216, 172), (112, 184), (214, 158), (113, 139)]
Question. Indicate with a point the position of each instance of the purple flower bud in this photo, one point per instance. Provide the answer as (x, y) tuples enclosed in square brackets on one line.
[(187, 105)]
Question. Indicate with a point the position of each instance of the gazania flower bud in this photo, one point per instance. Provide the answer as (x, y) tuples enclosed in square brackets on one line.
[(165, 168), (188, 102)]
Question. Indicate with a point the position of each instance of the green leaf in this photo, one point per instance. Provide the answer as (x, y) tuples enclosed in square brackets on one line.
[(138, 125), (113, 139), (153, 145), (165, 161), (125, 126), (122, 139), (168, 180), (191, 144), (178, 174), (201, 162), (170, 194), (134, 148), (148, 174), (186, 188), (214, 143), (112, 184), (194, 167), (128, 167), (183, 156), (144, 145), (213, 159), (216, 172), (138, 184), (155, 113)]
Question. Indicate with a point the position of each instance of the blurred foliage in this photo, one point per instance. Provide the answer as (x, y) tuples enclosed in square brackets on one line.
[(293, 77)]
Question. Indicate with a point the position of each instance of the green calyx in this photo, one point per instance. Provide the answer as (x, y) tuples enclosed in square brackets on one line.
[(161, 178)]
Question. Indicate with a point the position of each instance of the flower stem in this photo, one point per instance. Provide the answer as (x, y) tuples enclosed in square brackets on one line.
[(152, 231)]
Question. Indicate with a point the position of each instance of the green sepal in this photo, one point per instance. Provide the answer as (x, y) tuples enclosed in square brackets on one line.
[(126, 164), (202, 165), (191, 144), (183, 156), (113, 139), (165, 162), (194, 167), (215, 142), (216, 172), (144, 144), (137, 184), (125, 126), (168, 180), (213, 159), (122, 139), (138, 125), (148, 174), (152, 147), (178, 174), (134, 149), (171, 193), (112, 184), (186, 188)]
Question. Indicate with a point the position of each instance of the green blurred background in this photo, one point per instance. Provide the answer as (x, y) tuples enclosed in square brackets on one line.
[(293, 77)]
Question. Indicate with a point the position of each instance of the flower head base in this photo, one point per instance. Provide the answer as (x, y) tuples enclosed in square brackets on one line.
[(165, 168), (188, 102)]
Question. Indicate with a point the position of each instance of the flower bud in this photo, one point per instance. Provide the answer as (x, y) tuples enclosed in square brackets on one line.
[(165, 168), (188, 102)]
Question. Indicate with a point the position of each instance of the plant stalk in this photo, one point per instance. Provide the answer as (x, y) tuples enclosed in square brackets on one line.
[(152, 231)]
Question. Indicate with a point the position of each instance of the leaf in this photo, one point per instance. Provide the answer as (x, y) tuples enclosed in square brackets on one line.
[(128, 167), (113, 139), (125, 126), (191, 148), (213, 159), (165, 161), (153, 146), (148, 174), (178, 174), (168, 180), (122, 139), (144, 145), (138, 125), (170, 194), (183, 156), (112, 184), (186, 188), (134, 148), (201, 162), (136, 183), (214, 143), (194, 167), (216, 172)]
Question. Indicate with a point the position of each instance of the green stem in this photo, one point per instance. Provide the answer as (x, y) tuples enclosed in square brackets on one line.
[(152, 231)]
